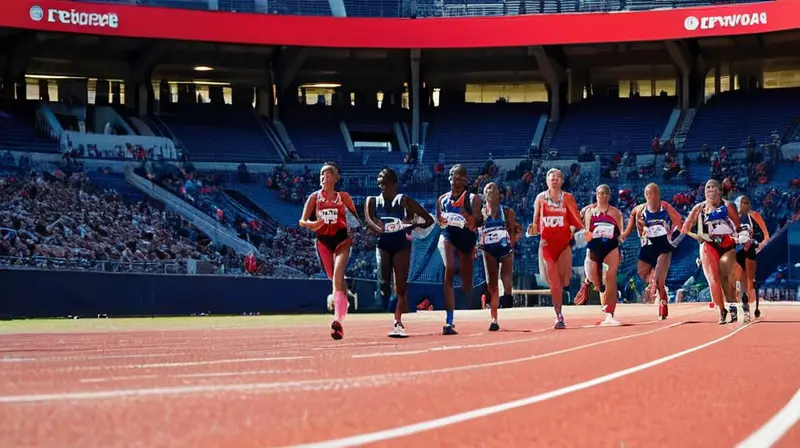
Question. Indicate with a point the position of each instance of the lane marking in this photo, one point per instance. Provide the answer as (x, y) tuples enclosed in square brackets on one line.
[(246, 372), (776, 427), (409, 430), (116, 378), (446, 348), (303, 385)]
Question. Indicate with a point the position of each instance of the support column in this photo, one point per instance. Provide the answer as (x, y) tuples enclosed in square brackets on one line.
[(555, 76), (415, 98)]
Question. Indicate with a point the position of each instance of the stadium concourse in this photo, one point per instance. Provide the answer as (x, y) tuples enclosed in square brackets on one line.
[(152, 168)]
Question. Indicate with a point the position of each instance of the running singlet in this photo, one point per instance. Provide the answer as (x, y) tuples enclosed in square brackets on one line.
[(756, 235), (332, 213), (392, 214), (494, 234), (602, 226), (456, 230), (717, 224), (556, 218), (656, 224)]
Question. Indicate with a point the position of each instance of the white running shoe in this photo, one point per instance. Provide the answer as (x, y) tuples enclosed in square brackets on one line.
[(398, 331), (610, 321)]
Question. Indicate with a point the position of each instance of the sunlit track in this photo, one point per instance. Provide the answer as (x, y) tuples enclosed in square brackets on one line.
[(313, 379)]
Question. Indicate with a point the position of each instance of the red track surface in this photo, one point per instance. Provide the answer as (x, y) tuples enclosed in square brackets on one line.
[(290, 385)]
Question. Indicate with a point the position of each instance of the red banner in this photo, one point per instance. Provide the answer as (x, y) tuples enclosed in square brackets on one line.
[(473, 32)]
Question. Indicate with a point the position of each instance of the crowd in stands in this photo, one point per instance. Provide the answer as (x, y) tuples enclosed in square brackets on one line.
[(57, 217)]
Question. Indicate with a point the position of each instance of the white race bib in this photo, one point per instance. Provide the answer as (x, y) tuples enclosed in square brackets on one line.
[(720, 228), (495, 236), (744, 237), (328, 215), (603, 230), (454, 220), (395, 225), (655, 231)]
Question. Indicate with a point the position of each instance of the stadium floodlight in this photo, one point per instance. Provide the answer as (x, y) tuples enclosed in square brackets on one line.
[(203, 68)]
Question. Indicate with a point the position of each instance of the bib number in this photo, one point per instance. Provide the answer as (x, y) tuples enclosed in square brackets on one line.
[(392, 226), (328, 216), (495, 236), (603, 231), (455, 220), (656, 231)]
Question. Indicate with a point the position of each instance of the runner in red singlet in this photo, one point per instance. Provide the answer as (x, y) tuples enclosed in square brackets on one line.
[(555, 217), (329, 208)]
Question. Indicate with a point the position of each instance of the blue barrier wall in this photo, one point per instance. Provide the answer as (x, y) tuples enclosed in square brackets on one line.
[(61, 293), (32, 293)]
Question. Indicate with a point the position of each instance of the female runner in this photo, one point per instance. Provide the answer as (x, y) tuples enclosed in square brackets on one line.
[(498, 236), (717, 223), (391, 216), (333, 237), (604, 227), (655, 221), (459, 215), (583, 294), (752, 223), (556, 213)]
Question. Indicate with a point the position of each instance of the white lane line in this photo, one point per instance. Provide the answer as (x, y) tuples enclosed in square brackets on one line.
[(246, 372), (776, 427), (305, 385), (116, 378), (409, 430), (179, 364), (443, 348)]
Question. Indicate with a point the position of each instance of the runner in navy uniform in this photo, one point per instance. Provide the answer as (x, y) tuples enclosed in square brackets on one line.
[(655, 221), (459, 215), (497, 238), (392, 216), (757, 235)]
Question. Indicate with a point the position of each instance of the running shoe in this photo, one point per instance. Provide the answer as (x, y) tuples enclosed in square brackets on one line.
[(663, 309), (399, 331), (734, 314), (746, 317), (723, 316), (560, 325), (610, 321), (449, 329), (494, 326), (337, 331)]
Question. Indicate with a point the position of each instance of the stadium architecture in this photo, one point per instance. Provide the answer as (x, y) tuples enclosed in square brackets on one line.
[(244, 90)]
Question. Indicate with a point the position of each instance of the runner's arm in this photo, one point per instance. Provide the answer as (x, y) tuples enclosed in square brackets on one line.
[(348, 202), (416, 209), (632, 221), (311, 202), (369, 212), (674, 216)]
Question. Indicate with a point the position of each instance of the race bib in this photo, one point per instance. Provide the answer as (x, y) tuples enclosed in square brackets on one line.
[(495, 236), (393, 225), (744, 237), (655, 231), (603, 231), (719, 228), (328, 215), (455, 220)]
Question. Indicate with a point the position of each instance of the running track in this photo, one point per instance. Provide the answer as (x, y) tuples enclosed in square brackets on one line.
[(683, 382)]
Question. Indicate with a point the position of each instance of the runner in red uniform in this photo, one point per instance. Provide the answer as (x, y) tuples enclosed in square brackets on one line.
[(329, 208), (555, 217)]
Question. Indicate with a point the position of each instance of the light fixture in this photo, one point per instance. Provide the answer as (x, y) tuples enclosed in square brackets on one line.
[(203, 68), (321, 85)]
